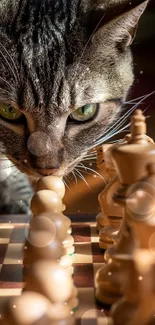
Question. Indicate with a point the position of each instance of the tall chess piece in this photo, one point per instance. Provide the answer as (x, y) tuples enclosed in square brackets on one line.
[(141, 220), (130, 160), (114, 213), (145, 311), (105, 164), (138, 304)]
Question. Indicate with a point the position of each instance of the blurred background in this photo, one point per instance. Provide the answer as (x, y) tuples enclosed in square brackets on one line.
[(81, 197)]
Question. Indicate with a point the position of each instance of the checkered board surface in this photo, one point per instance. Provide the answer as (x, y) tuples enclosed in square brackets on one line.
[(87, 260)]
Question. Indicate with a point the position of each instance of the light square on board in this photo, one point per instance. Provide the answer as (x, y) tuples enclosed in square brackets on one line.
[(94, 233), (83, 253)]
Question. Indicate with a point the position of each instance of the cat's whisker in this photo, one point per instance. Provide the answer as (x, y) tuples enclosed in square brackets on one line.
[(81, 176), (116, 141), (15, 70), (85, 172), (69, 178), (65, 182), (73, 173), (143, 96), (88, 159), (107, 137), (95, 172), (90, 156), (119, 122), (116, 130), (80, 164), (122, 119)]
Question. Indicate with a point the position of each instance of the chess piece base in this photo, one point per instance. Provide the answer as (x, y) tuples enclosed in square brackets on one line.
[(107, 283), (122, 312), (105, 298)]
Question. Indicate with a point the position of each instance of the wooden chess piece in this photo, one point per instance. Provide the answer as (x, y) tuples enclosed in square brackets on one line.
[(41, 242), (130, 160), (145, 311), (52, 183), (140, 206), (62, 226), (105, 164), (138, 303), (55, 184), (52, 281), (45, 241), (48, 199), (45, 201), (30, 308), (114, 213)]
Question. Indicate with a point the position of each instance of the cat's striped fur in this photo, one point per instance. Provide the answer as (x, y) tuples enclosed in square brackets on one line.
[(15, 189), (57, 56)]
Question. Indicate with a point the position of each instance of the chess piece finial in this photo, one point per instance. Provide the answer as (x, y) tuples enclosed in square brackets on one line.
[(138, 128)]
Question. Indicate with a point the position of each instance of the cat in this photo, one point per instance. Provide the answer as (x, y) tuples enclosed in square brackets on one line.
[(65, 71)]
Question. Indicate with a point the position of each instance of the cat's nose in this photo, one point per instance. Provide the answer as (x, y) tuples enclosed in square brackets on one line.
[(46, 171)]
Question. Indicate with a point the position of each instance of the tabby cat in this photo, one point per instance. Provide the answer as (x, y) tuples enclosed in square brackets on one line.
[(65, 70)]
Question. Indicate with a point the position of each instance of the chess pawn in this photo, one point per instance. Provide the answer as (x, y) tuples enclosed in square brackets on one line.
[(134, 309), (30, 308), (62, 225), (44, 242), (50, 280), (48, 199), (130, 161), (105, 164), (60, 314), (114, 213), (55, 184), (52, 183)]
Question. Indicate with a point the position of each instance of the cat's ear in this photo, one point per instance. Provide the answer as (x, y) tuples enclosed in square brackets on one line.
[(122, 28)]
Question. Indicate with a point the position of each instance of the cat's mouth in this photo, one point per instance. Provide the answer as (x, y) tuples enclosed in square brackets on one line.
[(26, 168)]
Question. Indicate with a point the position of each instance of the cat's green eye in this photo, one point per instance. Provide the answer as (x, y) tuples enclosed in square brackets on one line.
[(9, 113), (84, 113)]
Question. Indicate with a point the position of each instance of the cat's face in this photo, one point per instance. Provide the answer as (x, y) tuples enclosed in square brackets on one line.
[(64, 73)]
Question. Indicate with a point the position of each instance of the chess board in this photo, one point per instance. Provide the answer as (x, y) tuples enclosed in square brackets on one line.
[(87, 260)]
